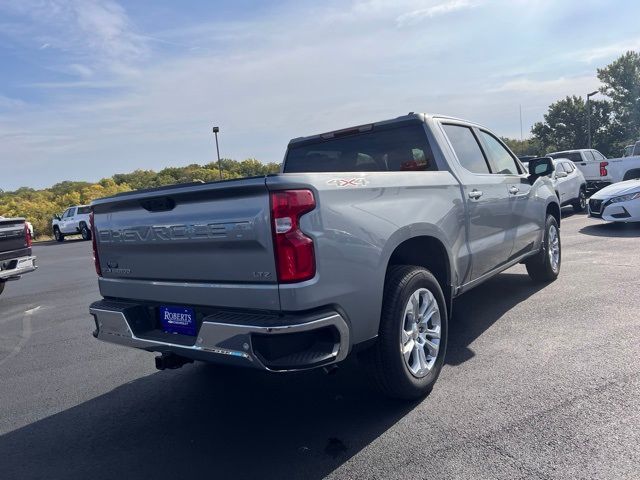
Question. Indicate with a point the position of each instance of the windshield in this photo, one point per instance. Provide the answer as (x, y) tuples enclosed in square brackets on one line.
[(403, 148)]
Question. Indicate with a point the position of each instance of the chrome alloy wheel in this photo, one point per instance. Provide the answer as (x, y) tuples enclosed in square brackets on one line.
[(554, 248), (583, 200), (420, 335)]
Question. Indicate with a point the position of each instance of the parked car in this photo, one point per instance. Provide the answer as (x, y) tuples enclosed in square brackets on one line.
[(619, 202), (74, 221), (569, 184), (15, 250), (600, 171), (359, 246)]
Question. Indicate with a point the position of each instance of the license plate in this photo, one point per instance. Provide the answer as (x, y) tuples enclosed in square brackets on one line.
[(180, 320)]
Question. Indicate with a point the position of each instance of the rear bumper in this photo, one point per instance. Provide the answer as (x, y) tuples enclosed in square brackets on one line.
[(11, 269), (263, 341)]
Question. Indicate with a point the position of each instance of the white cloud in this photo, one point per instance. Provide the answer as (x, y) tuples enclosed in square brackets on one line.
[(442, 8), (559, 87), (123, 99), (607, 51)]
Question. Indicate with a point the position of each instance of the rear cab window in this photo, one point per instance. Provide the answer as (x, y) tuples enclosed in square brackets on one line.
[(573, 156), (391, 148), (466, 147)]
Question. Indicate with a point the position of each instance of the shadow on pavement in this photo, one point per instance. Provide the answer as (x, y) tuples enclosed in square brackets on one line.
[(207, 422), (475, 311), (611, 229), (203, 421)]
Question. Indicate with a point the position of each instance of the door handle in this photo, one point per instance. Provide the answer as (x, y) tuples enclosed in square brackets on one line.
[(475, 194), (513, 190)]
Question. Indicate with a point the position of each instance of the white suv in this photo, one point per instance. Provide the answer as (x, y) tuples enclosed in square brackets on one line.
[(75, 220), (569, 184)]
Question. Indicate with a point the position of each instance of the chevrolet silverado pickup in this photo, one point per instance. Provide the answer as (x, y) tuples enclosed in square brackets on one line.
[(358, 246), (15, 250)]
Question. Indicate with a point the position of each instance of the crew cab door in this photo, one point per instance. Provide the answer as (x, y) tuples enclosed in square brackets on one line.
[(524, 217), (66, 222), (490, 234)]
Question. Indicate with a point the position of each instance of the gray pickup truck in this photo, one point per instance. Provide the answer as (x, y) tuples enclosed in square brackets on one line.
[(359, 245), (15, 250)]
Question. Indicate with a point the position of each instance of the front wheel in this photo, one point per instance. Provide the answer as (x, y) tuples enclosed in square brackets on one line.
[(581, 202), (545, 265), (409, 353), (58, 235)]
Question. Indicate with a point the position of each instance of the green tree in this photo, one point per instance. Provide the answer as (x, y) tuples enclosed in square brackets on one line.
[(565, 126), (528, 146), (621, 83)]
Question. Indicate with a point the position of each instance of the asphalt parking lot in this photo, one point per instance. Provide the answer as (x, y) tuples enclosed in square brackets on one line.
[(540, 382)]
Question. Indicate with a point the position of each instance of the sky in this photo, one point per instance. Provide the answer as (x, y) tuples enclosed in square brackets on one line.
[(89, 88)]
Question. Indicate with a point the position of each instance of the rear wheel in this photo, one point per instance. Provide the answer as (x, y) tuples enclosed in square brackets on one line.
[(545, 266), (581, 202), (85, 232), (58, 235), (409, 353)]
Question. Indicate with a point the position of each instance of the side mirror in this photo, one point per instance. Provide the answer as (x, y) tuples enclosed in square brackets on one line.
[(561, 174), (57, 217), (540, 167)]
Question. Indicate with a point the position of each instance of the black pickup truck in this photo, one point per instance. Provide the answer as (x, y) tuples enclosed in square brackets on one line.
[(15, 250)]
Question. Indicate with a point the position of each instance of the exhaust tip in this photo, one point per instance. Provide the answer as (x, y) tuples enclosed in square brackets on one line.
[(171, 361)]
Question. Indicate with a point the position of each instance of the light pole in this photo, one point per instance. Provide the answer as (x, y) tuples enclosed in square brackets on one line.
[(215, 132), (589, 95)]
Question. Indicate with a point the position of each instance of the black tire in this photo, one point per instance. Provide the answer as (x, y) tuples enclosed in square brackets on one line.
[(2, 287), (581, 203), (385, 360), (85, 232), (58, 235), (540, 268)]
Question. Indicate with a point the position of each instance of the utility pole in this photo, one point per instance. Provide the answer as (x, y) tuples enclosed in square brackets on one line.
[(589, 95), (215, 132), (521, 137)]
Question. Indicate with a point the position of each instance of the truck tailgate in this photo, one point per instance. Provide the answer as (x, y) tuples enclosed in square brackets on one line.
[(208, 235), (12, 238)]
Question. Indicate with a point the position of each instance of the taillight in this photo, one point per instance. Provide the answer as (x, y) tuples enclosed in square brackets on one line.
[(603, 169), (295, 257), (27, 235), (96, 259)]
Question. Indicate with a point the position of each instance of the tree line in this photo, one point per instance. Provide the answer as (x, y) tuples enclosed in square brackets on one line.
[(39, 206), (615, 119)]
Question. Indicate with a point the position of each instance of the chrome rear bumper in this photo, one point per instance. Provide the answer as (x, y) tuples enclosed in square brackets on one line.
[(17, 267), (231, 338)]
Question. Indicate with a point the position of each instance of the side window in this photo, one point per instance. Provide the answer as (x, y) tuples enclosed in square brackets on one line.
[(559, 167), (499, 157), (84, 210), (568, 167), (466, 148), (588, 156), (71, 212), (598, 156)]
